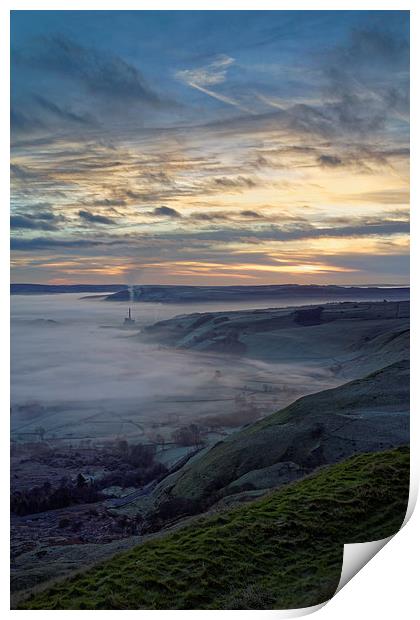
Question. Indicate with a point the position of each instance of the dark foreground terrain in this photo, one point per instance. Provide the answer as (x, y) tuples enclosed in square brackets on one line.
[(283, 551), (317, 431)]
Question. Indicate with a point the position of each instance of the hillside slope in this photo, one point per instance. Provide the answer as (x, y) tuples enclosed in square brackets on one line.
[(365, 415), (283, 551), (349, 338)]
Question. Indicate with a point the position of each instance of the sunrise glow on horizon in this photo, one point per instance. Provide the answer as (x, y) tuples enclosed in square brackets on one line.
[(208, 147)]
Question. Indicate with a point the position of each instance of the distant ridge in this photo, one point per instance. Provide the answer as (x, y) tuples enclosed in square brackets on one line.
[(185, 294), (43, 289)]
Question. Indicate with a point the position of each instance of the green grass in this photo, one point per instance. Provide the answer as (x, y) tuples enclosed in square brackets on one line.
[(282, 551), (288, 435)]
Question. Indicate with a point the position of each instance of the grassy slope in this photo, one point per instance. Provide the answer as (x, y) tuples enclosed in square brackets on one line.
[(282, 551), (272, 439)]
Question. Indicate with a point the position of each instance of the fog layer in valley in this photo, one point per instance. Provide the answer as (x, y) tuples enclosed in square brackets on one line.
[(76, 372)]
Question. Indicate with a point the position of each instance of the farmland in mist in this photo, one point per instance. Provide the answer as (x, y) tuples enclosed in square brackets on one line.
[(77, 374)]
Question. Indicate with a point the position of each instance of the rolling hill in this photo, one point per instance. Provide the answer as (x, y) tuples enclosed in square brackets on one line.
[(365, 415), (49, 289), (194, 294), (353, 338)]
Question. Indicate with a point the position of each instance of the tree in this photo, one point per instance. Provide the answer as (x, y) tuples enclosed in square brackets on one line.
[(81, 481), (160, 439), (122, 446), (142, 455), (308, 316), (188, 435), (40, 431)]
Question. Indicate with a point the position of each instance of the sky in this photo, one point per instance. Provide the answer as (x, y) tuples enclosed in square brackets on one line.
[(210, 147)]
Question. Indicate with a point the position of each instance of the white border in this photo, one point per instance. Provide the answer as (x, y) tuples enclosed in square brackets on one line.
[(387, 586)]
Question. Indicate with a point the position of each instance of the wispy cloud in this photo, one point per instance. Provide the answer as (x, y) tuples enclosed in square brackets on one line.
[(214, 73), (288, 144), (93, 218), (18, 222), (102, 73), (166, 212), (209, 75)]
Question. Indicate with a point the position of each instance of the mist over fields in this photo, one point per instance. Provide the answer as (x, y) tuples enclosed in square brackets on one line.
[(76, 371)]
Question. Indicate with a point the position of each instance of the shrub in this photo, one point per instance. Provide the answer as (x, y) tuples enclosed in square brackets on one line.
[(177, 507), (188, 435), (308, 316), (141, 455)]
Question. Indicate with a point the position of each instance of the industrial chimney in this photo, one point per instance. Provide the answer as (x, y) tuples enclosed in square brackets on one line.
[(128, 321)]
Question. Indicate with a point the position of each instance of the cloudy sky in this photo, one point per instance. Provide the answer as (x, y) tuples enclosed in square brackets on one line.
[(210, 147)]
